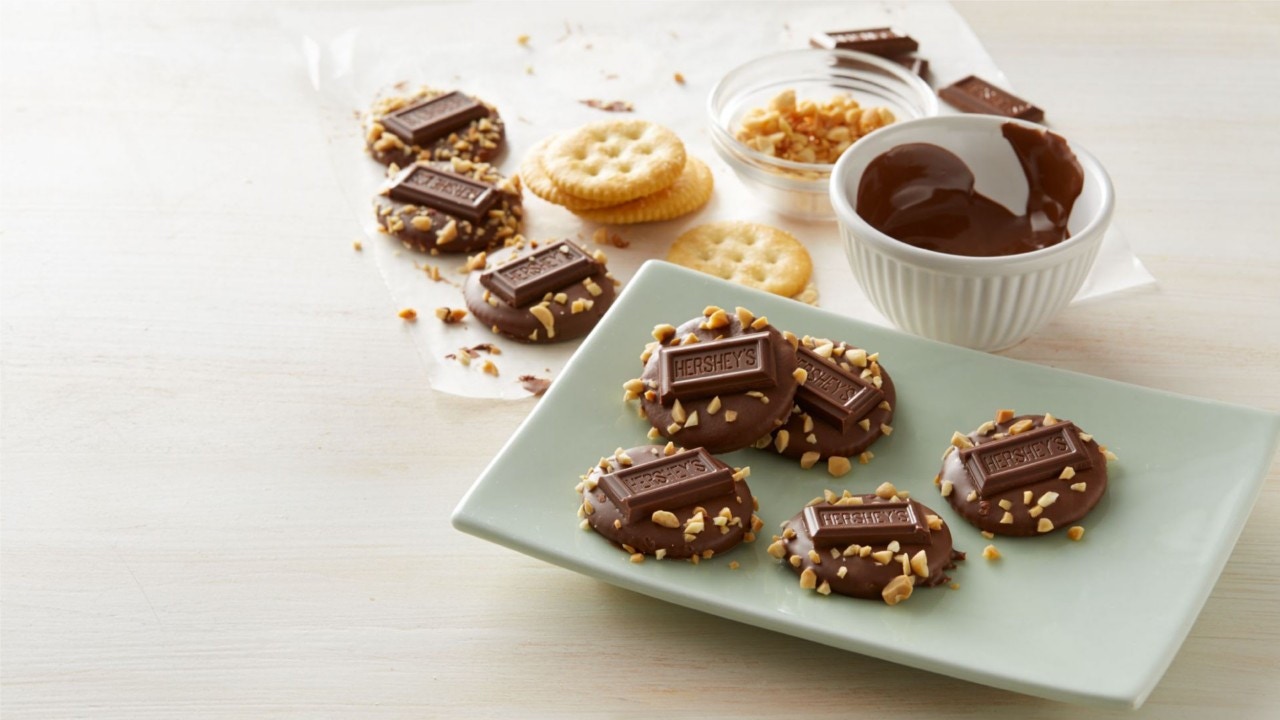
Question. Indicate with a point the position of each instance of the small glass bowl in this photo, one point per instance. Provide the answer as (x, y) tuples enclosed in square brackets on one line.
[(794, 188)]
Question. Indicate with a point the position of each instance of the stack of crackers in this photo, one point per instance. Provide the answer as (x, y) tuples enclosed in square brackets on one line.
[(618, 172)]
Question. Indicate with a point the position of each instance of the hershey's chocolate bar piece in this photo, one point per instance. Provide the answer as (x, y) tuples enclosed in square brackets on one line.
[(975, 95), (420, 124), (876, 41), (527, 279), (878, 522), (666, 484), (833, 393), (715, 367), (445, 191), (1027, 457)]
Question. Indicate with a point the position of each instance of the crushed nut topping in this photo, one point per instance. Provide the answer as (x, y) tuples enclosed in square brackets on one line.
[(544, 316), (450, 316), (665, 519), (898, 589), (920, 564), (838, 466), (778, 549), (808, 131), (808, 579), (612, 106)]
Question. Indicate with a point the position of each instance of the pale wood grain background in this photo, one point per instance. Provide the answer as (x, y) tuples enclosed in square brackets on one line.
[(226, 488)]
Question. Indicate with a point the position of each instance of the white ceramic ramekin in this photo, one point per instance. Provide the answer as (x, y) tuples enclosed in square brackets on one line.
[(987, 303)]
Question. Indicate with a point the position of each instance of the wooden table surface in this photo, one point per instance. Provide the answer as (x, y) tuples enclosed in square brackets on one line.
[(226, 486)]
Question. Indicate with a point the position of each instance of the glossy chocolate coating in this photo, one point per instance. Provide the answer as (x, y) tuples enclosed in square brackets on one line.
[(645, 536), (924, 195), (845, 439), (519, 323), (984, 511), (832, 393), (865, 577), (756, 416)]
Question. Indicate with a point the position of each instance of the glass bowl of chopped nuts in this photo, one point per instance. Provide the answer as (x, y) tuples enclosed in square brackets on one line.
[(781, 121)]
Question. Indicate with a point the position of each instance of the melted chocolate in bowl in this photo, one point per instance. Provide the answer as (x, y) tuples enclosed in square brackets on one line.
[(924, 195)]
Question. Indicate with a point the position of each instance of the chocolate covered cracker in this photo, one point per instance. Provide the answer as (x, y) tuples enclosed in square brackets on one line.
[(433, 125), (549, 294), (867, 546), (844, 405), (450, 207), (1024, 475), (722, 381), (668, 502)]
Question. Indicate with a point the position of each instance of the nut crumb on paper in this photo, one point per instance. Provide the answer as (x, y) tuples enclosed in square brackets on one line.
[(450, 316), (614, 106), (534, 384), (431, 271), (408, 315), (465, 354), (602, 236)]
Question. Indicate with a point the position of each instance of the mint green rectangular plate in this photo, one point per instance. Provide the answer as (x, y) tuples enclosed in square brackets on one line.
[(1096, 621)]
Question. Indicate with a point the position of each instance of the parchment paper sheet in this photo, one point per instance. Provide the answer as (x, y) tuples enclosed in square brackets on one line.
[(606, 51)]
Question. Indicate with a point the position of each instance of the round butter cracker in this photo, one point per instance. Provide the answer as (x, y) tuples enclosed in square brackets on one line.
[(689, 193), (750, 254), (615, 160), (535, 178)]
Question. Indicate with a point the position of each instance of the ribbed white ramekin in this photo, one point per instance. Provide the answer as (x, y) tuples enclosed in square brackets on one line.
[(987, 303)]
